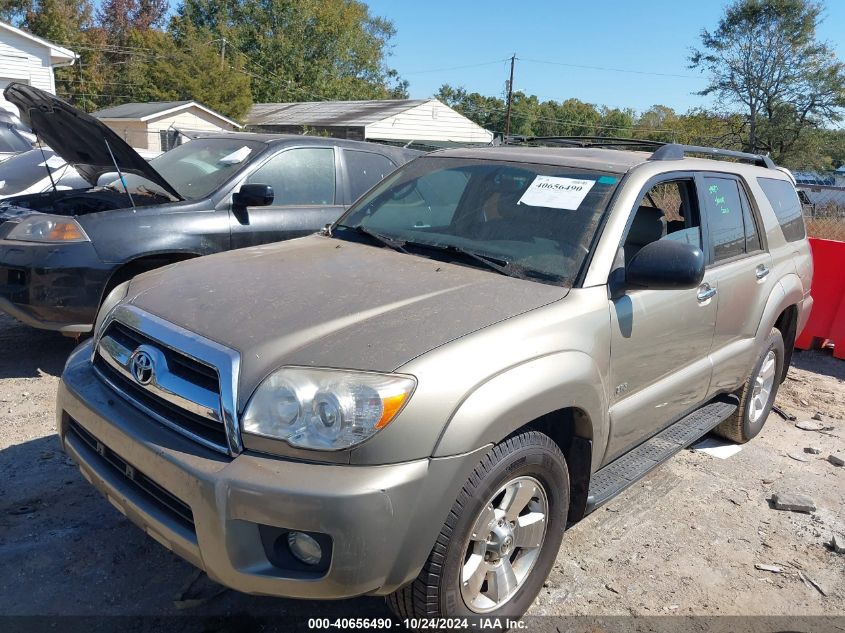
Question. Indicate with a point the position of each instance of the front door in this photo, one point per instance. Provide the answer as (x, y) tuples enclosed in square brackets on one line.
[(306, 190), (660, 339)]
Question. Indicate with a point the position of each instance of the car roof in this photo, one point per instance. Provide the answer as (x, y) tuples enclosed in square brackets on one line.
[(301, 139), (618, 161)]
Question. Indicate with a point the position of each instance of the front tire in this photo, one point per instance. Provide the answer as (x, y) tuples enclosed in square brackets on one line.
[(500, 539), (757, 395)]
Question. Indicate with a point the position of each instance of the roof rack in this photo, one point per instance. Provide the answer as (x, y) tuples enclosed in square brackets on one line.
[(588, 141), (676, 151)]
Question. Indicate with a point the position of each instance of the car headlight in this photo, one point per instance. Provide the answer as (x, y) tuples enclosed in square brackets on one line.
[(325, 409), (48, 228)]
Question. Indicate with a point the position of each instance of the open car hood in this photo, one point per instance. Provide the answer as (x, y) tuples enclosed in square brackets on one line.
[(79, 138)]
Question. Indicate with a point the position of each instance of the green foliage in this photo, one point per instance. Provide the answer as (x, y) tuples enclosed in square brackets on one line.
[(777, 85), (190, 68), (221, 53), (764, 57), (301, 50), (572, 117)]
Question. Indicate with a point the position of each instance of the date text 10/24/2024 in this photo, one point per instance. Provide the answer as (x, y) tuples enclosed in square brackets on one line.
[(433, 624)]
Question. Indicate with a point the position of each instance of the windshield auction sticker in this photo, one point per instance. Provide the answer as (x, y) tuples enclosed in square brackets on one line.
[(556, 193)]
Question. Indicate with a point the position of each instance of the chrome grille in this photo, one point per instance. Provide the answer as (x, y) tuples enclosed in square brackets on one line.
[(185, 384)]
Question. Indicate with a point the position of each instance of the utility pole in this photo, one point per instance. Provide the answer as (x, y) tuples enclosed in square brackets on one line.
[(510, 99), (222, 52)]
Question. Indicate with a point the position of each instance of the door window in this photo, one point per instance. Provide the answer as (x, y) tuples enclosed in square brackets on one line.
[(668, 211), (365, 169), (724, 209), (301, 176)]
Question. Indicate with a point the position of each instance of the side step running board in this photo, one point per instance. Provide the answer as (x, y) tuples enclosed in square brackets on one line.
[(612, 479)]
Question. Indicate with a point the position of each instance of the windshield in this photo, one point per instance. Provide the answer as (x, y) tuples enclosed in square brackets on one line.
[(198, 167), (524, 220), (11, 141)]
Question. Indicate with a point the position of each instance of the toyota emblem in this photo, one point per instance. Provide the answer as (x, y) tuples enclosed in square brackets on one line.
[(142, 367)]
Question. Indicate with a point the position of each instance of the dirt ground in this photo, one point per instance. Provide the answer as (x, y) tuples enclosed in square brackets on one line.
[(684, 541)]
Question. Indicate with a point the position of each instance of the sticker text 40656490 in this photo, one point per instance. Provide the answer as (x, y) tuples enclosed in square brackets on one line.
[(557, 193)]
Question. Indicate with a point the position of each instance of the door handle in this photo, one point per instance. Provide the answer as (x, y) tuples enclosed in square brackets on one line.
[(761, 271), (705, 292)]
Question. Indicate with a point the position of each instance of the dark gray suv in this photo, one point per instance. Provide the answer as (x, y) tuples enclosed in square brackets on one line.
[(61, 252)]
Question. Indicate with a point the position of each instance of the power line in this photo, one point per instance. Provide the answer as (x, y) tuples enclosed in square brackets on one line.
[(440, 70), (148, 55), (608, 69)]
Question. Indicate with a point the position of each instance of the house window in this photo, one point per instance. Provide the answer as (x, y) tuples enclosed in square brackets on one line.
[(169, 139)]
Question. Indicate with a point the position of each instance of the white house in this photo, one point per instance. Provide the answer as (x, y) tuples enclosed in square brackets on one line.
[(161, 125), (424, 121), (28, 59)]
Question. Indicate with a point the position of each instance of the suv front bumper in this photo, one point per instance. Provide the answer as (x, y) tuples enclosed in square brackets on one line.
[(382, 520)]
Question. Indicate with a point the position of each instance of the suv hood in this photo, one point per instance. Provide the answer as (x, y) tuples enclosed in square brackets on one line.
[(79, 138), (330, 303)]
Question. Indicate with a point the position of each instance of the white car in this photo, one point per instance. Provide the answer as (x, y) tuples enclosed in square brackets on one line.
[(36, 172), (14, 139)]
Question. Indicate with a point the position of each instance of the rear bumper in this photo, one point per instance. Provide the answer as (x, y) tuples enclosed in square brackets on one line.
[(381, 520), (52, 286)]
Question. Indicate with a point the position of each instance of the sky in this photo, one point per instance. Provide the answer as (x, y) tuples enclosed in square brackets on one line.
[(469, 43)]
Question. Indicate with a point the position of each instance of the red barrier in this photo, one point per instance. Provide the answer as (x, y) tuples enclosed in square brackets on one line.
[(827, 320)]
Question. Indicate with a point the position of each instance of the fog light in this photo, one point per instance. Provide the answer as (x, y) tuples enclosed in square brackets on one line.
[(305, 548)]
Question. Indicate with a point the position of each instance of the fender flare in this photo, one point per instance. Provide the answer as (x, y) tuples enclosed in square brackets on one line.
[(787, 292), (511, 399)]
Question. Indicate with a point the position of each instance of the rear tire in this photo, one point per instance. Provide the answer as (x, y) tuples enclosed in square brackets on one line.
[(757, 395), (500, 539)]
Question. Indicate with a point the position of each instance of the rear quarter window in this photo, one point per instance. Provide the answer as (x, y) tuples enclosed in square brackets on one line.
[(784, 200)]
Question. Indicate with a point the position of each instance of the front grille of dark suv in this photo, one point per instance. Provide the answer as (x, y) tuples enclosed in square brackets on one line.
[(120, 341), (153, 493)]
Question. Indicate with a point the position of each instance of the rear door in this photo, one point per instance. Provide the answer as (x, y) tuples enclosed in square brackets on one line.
[(363, 170), (740, 270), (308, 194)]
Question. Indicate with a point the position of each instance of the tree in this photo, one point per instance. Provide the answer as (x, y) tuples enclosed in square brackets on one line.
[(302, 50), (488, 112), (59, 21), (120, 17), (764, 56), (190, 68)]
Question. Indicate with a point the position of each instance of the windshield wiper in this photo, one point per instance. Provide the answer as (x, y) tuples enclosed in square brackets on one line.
[(397, 245), (501, 266)]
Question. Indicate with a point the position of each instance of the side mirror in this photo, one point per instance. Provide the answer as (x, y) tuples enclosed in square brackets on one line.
[(666, 265), (253, 196)]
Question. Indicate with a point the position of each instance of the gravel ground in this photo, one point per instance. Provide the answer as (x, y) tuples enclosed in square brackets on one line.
[(683, 541)]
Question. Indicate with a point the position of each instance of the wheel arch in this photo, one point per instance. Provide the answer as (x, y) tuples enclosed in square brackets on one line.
[(787, 323), (561, 395), (781, 312)]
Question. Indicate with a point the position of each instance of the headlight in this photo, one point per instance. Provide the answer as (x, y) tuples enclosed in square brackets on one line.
[(325, 409), (48, 228)]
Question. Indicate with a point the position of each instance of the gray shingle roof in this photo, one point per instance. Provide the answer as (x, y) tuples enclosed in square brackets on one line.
[(138, 110), (328, 113)]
